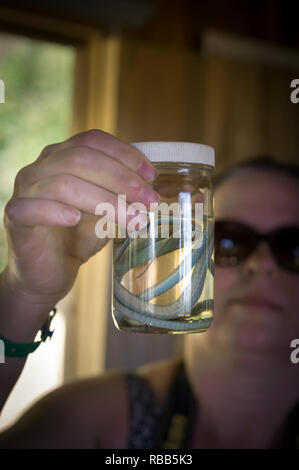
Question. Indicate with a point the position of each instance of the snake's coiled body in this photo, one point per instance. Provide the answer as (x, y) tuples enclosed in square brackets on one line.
[(195, 259)]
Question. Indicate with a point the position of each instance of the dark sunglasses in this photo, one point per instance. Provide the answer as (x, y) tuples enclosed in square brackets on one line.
[(235, 241)]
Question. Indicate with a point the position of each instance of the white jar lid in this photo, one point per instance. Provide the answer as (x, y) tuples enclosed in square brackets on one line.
[(177, 152)]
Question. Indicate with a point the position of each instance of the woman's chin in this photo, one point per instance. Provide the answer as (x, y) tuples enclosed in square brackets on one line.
[(259, 340), (258, 347), (251, 330), (252, 337)]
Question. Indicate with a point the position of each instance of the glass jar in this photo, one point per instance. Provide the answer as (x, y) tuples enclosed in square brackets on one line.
[(163, 268)]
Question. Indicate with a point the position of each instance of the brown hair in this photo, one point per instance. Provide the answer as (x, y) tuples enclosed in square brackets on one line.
[(261, 162)]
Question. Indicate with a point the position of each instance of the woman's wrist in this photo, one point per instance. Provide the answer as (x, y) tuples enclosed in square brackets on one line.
[(21, 314)]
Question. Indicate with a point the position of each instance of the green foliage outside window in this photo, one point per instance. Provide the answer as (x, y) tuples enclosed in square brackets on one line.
[(38, 78)]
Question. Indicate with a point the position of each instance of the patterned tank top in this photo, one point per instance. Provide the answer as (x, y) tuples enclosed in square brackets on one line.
[(154, 426)]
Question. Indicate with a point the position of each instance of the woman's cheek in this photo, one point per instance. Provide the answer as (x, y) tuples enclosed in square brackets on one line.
[(225, 279)]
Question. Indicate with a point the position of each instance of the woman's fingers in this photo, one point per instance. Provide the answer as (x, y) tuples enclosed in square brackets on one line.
[(124, 153), (29, 212), (96, 167), (79, 194), (88, 170), (106, 143)]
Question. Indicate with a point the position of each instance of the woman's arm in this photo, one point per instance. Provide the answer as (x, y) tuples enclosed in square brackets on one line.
[(20, 319)]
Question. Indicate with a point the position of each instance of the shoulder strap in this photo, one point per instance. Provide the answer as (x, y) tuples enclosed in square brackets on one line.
[(178, 415), (143, 410)]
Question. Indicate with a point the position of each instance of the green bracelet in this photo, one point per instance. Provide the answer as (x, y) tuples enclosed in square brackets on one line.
[(13, 349)]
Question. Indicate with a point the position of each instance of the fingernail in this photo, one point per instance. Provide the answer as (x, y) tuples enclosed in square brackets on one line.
[(147, 171), (148, 195), (72, 216)]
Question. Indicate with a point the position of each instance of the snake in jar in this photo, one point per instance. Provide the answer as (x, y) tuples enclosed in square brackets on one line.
[(173, 316)]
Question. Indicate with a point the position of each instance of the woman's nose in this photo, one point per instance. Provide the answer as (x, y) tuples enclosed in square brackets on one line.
[(261, 260)]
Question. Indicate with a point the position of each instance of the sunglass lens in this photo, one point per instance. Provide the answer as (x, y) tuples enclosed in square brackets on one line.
[(233, 243), (286, 248)]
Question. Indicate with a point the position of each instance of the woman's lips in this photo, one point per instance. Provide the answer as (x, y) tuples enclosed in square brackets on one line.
[(258, 303)]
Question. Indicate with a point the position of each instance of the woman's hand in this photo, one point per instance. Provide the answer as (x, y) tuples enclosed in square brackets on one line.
[(50, 219)]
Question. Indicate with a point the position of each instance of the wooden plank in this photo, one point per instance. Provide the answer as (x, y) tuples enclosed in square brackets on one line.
[(95, 106)]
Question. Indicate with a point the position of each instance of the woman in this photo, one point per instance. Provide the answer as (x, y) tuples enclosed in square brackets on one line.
[(237, 380)]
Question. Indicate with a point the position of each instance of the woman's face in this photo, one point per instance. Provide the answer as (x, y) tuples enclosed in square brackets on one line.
[(266, 201)]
